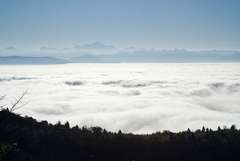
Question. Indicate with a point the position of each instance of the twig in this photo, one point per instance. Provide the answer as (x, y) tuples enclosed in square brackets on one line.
[(16, 105)]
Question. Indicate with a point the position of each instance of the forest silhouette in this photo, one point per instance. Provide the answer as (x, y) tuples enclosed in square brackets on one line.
[(26, 139)]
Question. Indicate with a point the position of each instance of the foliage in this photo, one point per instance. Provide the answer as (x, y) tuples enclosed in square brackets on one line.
[(24, 138)]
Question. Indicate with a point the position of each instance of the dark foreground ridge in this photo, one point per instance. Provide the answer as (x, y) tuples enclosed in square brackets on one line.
[(25, 139)]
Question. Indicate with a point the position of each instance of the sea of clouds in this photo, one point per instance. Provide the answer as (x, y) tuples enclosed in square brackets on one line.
[(133, 97)]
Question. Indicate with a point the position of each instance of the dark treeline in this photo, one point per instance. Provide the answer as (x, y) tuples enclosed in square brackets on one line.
[(25, 139)]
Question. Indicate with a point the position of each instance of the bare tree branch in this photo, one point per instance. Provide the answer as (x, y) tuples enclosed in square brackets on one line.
[(18, 103)]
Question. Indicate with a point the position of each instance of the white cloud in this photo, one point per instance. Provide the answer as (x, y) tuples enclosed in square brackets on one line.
[(140, 98)]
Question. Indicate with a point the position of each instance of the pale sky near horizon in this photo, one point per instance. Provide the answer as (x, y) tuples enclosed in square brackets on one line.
[(189, 24)]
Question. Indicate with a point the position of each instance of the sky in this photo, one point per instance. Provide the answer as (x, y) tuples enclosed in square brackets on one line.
[(163, 24)]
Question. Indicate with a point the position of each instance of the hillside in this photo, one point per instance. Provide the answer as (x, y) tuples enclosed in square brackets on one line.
[(23, 138)]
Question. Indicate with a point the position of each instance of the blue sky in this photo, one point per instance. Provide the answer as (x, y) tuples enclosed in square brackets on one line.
[(164, 24)]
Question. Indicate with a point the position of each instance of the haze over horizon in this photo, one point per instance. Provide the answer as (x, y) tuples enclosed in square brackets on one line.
[(28, 26)]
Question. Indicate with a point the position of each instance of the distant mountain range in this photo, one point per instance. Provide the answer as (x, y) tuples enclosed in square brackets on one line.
[(161, 56), (174, 56), (30, 60)]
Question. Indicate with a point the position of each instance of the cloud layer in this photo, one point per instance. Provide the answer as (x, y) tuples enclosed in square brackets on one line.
[(140, 98)]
